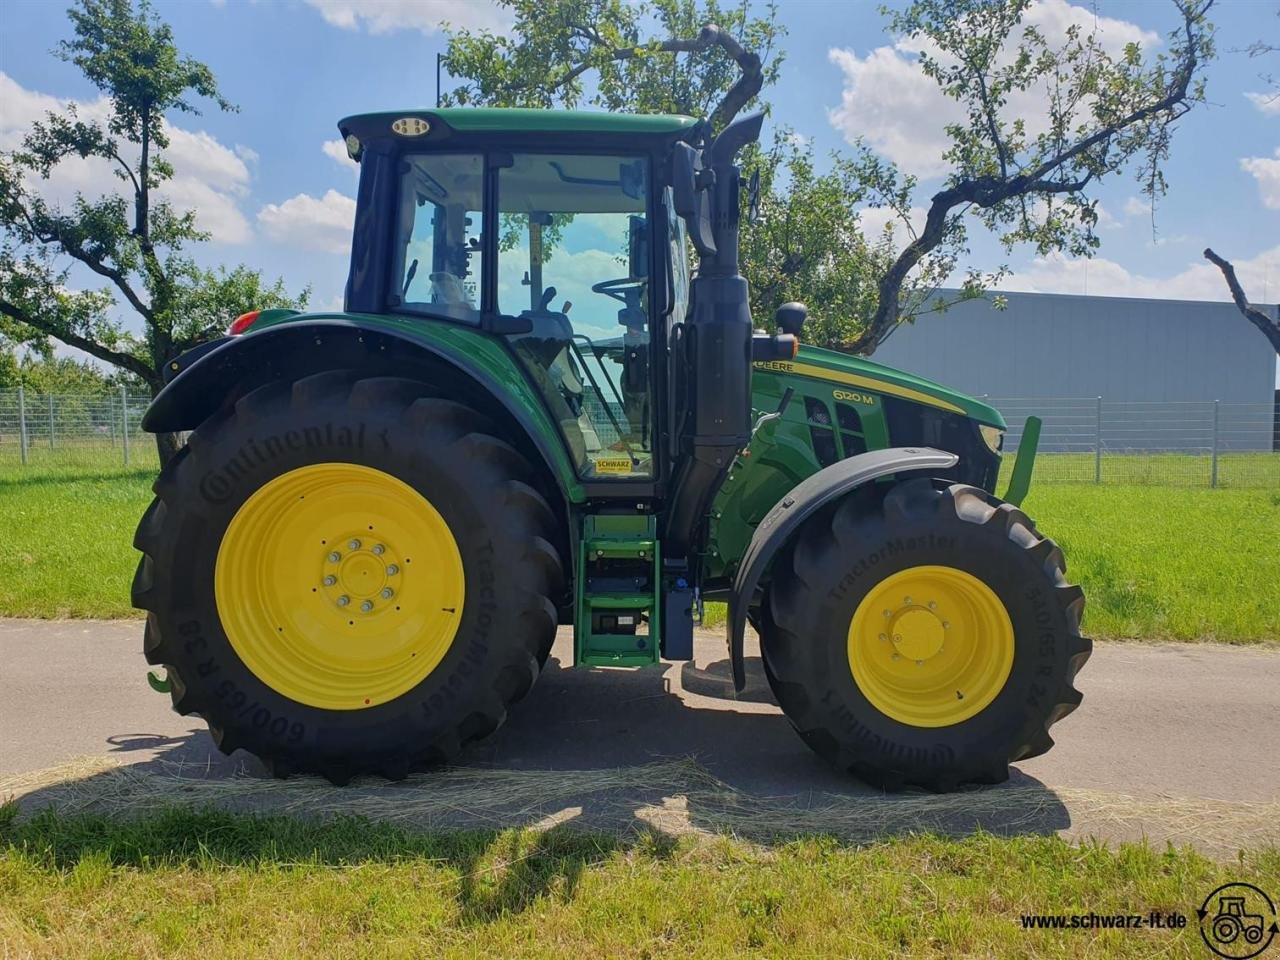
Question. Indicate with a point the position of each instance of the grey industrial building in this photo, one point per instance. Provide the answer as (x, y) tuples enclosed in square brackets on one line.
[(1138, 354)]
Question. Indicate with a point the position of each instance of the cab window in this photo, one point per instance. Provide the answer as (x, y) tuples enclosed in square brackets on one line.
[(439, 245), (573, 259)]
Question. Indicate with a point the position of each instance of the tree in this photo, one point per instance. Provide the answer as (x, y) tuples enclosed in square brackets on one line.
[(1270, 326), (135, 240), (1104, 114)]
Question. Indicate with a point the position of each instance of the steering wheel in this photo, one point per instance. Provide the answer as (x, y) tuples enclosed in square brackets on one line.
[(621, 289)]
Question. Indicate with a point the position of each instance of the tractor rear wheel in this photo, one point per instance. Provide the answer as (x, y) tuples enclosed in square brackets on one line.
[(925, 638), (348, 576)]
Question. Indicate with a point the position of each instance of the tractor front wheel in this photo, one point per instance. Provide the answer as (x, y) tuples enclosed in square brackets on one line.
[(347, 576), (925, 637)]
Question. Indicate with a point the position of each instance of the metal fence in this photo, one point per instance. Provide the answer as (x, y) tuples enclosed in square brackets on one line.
[(1084, 440), (74, 429), (1196, 443)]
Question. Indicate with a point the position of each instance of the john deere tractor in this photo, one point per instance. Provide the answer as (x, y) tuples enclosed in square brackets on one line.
[(545, 403)]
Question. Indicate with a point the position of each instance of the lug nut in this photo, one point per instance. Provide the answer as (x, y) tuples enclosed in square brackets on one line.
[(386, 593), (906, 601), (343, 600), (330, 580), (897, 638), (933, 604), (392, 570), (897, 656), (335, 556), (884, 636), (366, 606), (353, 544), (888, 613), (379, 549), (946, 624), (919, 663)]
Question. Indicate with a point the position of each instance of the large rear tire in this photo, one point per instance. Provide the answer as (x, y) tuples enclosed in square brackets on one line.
[(928, 637), (348, 576)]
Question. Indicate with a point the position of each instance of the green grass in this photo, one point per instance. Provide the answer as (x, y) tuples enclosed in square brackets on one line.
[(67, 547), (211, 884), (1171, 563)]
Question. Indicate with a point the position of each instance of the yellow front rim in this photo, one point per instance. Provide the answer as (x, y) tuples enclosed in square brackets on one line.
[(339, 586), (931, 646)]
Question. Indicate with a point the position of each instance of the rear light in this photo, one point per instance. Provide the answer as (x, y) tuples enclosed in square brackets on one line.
[(242, 323)]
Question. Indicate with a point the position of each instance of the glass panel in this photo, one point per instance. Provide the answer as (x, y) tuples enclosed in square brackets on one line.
[(678, 251), (439, 239), (573, 257)]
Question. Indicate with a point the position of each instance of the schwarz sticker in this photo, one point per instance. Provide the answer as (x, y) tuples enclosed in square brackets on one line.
[(613, 465)]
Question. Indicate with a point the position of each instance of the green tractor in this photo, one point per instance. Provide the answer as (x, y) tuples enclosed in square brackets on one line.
[(545, 403)]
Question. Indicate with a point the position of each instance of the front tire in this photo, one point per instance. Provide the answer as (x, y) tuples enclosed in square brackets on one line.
[(928, 637), (348, 576)]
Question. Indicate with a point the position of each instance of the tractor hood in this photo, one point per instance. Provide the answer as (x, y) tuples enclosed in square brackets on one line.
[(841, 368)]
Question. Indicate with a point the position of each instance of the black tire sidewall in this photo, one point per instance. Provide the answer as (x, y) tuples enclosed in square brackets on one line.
[(880, 549), (235, 463)]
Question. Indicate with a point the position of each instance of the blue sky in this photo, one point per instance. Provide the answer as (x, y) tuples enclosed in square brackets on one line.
[(263, 182)]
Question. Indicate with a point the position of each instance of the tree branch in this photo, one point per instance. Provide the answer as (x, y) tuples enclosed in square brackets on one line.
[(52, 234), (1270, 326), (125, 361), (735, 98)]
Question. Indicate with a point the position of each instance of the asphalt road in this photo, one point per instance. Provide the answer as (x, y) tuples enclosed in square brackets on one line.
[(1166, 732)]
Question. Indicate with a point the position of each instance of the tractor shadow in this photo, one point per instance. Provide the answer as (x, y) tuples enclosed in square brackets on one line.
[(622, 756)]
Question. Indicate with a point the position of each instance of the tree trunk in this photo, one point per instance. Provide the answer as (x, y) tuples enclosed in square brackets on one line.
[(167, 445)]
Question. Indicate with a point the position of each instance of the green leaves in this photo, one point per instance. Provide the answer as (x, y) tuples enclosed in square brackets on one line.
[(134, 240)]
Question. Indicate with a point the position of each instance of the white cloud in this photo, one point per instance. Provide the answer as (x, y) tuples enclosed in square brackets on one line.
[(1267, 172), (1198, 280), (874, 220), (209, 177), (310, 223), (1268, 103), (1137, 207), (336, 151), (429, 16), (900, 112)]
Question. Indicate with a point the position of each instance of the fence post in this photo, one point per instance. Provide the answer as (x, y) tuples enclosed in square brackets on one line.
[(1097, 446), (124, 420), (22, 425), (1213, 474), (51, 443)]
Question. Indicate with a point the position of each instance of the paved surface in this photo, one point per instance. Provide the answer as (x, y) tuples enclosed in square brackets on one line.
[(1174, 723)]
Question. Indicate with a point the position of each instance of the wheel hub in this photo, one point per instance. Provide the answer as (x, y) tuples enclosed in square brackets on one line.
[(318, 592), (370, 571), (930, 646)]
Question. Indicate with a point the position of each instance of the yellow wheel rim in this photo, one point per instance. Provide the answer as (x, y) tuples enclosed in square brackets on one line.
[(339, 586), (931, 646)]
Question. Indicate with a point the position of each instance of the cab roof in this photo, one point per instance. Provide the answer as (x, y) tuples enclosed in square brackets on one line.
[(521, 120)]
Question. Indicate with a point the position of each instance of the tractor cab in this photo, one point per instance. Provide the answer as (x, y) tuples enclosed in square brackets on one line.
[(566, 242)]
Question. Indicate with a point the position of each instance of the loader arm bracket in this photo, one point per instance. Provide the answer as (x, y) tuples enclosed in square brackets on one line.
[(797, 506)]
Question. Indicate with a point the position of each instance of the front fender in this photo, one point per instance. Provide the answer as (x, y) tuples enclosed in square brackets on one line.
[(803, 501), (314, 344)]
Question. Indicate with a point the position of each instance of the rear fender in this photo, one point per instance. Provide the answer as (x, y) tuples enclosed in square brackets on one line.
[(470, 361), (805, 499)]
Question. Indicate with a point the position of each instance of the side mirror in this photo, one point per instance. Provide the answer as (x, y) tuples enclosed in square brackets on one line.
[(692, 199), (790, 317)]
